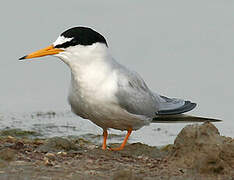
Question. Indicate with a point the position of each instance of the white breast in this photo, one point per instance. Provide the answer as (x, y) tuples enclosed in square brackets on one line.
[(96, 82), (93, 88), (92, 96)]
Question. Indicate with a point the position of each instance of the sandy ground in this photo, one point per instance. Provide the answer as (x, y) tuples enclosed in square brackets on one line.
[(199, 152)]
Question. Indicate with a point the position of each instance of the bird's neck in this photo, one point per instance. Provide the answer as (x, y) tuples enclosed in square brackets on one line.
[(84, 55), (89, 65)]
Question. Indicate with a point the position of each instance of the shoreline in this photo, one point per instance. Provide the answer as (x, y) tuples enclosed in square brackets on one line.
[(198, 152)]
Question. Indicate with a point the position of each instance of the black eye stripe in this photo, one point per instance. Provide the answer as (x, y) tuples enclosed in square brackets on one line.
[(66, 44), (81, 36)]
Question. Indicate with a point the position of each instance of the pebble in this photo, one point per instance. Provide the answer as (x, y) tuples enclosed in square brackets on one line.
[(50, 156), (47, 162), (62, 153)]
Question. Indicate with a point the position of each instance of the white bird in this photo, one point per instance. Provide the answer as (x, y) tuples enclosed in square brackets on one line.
[(106, 92)]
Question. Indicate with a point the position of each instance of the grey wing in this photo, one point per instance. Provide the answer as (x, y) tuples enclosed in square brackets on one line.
[(173, 106), (134, 96)]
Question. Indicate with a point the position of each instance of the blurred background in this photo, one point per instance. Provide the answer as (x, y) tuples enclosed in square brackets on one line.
[(181, 48)]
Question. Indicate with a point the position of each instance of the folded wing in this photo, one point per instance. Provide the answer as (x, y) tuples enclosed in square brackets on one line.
[(134, 96), (173, 106)]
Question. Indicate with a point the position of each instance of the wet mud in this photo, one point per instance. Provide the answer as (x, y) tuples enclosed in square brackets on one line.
[(198, 152)]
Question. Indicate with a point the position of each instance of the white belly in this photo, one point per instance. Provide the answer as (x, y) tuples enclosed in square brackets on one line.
[(107, 115), (93, 96), (96, 101)]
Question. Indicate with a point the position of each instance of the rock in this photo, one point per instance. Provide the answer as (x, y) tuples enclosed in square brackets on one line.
[(210, 163), (50, 156), (201, 148), (227, 152), (18, 145), (48, 162), (193, 135), (57, 144), (62, 153)]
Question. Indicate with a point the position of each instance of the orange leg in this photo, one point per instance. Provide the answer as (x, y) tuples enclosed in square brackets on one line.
[(104, 139), (124, 142)]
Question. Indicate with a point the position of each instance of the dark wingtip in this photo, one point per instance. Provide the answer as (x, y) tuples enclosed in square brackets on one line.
[(188, 106), (24, 57)]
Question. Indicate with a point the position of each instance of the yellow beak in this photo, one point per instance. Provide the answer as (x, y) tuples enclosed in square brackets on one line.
[(50, 50)]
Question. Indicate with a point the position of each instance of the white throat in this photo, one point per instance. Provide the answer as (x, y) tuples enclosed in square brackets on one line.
[(89, 65), (84, 55)]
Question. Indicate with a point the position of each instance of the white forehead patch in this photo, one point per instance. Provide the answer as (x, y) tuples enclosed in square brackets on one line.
[(61, 40)]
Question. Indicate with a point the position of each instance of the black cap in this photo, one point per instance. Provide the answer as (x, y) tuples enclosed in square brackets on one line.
[(81, 36)]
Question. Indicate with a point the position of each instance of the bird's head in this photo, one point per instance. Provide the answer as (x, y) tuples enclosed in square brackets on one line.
[(71, 42)]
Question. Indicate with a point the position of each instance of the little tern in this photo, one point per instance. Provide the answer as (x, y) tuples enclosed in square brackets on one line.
[(106, 92)]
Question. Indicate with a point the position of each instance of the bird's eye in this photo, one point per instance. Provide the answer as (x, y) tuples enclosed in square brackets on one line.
[(74, 41)]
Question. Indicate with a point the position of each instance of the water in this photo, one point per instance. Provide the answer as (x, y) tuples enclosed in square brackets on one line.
[(181, 48), (50, 124)]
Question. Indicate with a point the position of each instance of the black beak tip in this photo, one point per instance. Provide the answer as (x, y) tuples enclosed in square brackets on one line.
[(22, 58)]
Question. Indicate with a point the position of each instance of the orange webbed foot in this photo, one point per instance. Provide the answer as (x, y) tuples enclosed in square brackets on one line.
[(124, 142)]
